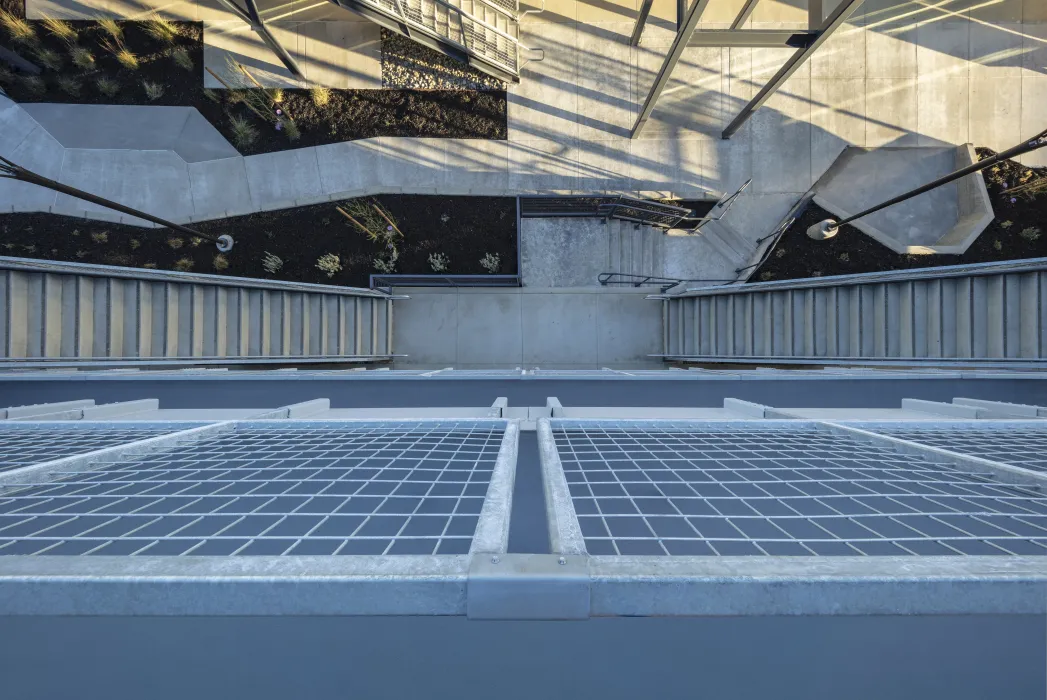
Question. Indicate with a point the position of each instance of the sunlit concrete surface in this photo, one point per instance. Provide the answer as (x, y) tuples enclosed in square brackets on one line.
[(927, 72)]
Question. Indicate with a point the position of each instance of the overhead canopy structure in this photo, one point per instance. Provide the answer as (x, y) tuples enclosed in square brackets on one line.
[(806, 43)]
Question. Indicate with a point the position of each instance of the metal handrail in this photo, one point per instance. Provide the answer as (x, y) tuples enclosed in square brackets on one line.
[(607, 278), (383, 282), (724, 204)]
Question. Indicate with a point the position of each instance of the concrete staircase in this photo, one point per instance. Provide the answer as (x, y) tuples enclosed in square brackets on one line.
[(481, 33), (635, 249), (992, 314), (68, 314)]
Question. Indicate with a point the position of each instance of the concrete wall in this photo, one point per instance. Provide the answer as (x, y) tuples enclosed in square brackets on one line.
[(807, 658)]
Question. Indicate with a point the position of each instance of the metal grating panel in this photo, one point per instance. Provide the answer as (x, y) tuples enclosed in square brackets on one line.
[(270, 489), (682, 488), (1019, 447), (21, 447)]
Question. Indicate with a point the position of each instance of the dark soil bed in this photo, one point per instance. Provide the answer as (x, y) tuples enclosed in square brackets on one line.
[(1019, 231), (348, 115), (464, 229)]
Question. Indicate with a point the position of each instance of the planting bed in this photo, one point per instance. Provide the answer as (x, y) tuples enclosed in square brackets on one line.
[(464, 229), (348, 115), (1019, 231)]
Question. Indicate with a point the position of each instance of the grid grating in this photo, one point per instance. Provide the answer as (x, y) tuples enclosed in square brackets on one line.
[(375, 488), (726, 489), (1019, 447), (22, 447)]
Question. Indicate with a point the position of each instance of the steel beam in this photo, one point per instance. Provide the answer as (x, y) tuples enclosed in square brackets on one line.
[(251, 16), (641, 21), (769, 38), (834, 22), (683, 37), (815, 15), (681, 13), (743, 16)]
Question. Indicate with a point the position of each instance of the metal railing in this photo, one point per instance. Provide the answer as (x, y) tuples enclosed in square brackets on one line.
[(720, 209), (642, 211), (452, 25), (385, 283), (666, 283)]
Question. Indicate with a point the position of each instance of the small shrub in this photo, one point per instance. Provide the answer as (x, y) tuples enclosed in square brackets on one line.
[(490, 262), (213, 95), (81, 254), (75, 232), (154, 91), (100, 237), (321, 95), (30, 248), (439, 262), (271, 263), (764, 276), (845, 257), (244, 133), (1006, 224), (195, 241), (135, 244), (149, 266), (33, 83), (60, 29), (780, 253), (48, 58), (182, 59), (386, 267), (82, 58), (175, 242), (17, 28), (329, 263), (220, 262), (160, 28), (123, 55), (112, 28), (816, 273), (107, 86), (69, 85), (997, 245), (292, 130), (120, 259), (6, 74), (183, 264), (1030, 234), (276, 95)]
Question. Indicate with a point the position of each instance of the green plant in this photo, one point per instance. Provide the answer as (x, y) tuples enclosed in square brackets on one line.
[(153, 90), (81, 253), (107, 86), (371, 218), (764, 276), (491, 262), (183, 264), (30, 248), (271, 263), (123, 55), (112, 28), (100, 236), (69, 85), (59, 29), (149, 265), (329, 263), (244, 133), (17, 28), (386, 267), (195, 241), (82, 58), (220, 262), (1030, 234), (6, 74), (320, 95), (48, 58), (213, 95), (845, 257), (180, 55), (780, 253), (276, 94), (33, 83), (997, 245), (439, 262), (160, 28), (135, 244), (1006, 224), (292, 130), (175, 242)]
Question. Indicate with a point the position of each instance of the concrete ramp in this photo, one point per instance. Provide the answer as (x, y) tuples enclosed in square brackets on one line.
[(943, 221)]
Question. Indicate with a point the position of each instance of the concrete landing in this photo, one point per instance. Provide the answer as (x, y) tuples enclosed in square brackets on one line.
[(527, 327), (945, 220)]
